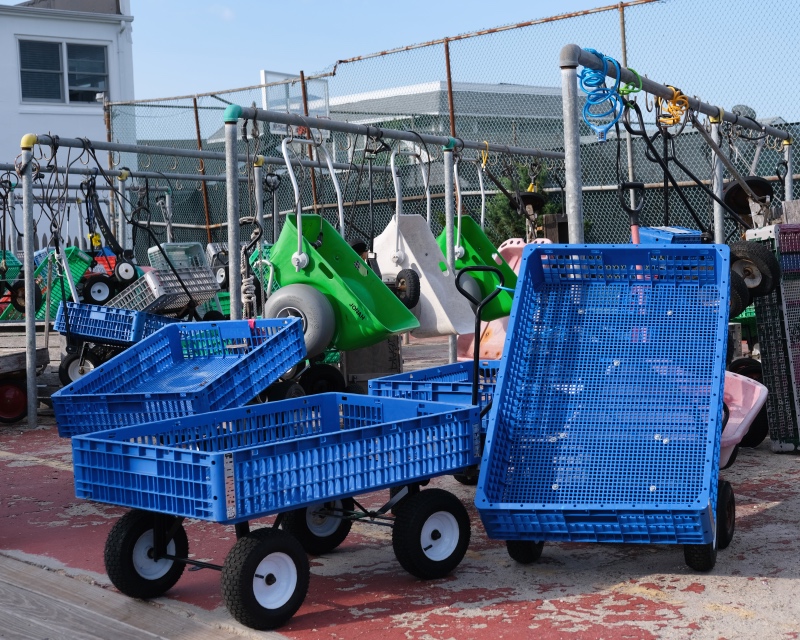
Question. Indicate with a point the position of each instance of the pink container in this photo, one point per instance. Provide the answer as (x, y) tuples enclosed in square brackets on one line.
[(744, 398), (493, 334)]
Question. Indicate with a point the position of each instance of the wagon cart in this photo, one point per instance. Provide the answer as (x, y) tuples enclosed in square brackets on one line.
[(304, 459), (608, 408)]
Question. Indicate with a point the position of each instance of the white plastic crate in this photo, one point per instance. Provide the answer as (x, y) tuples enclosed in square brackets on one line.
[(183, 255)]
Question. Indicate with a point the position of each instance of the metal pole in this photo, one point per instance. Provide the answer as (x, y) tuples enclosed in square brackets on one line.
[(310, 147), (449, 218), (716, 181), (573, 56), (628, 137), (28, 266), (122, 227), (232, 184), (168, 211), (572, 154), (274, 216), (202, 169), (258, 178), (279, 117), (449, 88), (788, 186)]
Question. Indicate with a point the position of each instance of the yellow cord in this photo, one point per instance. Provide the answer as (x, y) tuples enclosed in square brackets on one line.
[(484, 155), (673, 111)]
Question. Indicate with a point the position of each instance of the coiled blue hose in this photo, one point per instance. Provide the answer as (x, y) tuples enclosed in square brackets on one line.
[(593, 84)]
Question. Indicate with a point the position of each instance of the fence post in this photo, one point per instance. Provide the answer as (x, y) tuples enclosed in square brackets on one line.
[(717, 180), (449, 219), (232, 187), (628, 138), (28, 141), (788, 187), (310, 147), (450, 103), (572, 153)]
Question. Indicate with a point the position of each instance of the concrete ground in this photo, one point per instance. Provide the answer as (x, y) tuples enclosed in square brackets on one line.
[(360, 590)]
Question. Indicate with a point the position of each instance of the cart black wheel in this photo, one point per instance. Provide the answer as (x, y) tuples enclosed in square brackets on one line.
[(757, 265), (524, 551), (318, 529), (305, 302), (471, 286), (726, 414), (468, 476), (71, 370), (17, 293), (223, 280), (265, 578), (322, 378), (407, 287), (129, 556), (125, 272), (759, 429), (98, 289), (740, 296), (726, 514), (431, 533), (700, 557), (213, 316), (358, 388), (13, 401), (281, 390)]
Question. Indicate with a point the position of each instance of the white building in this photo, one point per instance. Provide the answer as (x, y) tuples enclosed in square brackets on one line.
[(58, 60)]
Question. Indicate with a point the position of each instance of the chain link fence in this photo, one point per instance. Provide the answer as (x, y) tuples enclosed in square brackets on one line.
[(504, 87)]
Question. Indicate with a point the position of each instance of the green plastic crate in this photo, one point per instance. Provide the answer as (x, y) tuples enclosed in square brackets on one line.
[(78, 262), (13, 266)]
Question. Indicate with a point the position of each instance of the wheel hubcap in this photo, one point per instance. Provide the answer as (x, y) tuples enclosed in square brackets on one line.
[(126, 272), (275, 580), (320, 522), (749, 272), (76, 370), (99, 291), (143, 562), (440, 535), (292, 312)]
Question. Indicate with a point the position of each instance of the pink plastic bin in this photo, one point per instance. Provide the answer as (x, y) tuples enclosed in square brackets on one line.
[(744, 398)]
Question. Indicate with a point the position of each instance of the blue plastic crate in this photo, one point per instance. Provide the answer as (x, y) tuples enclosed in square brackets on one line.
[(239, 464), (448, 383), (184, 369), (108, 325), (669, 235), (607, 414), (790, 262)]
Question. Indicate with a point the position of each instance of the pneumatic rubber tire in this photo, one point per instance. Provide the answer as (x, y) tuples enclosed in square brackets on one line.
[(524, 551), (128, 556), (316, 528), (125, 272), (98, 289), (281, 390), (16, 292), (740, 296), (265, 578), (70, 368), (322, 378), (407, 287), (726, 514), (305, 302), (431, 533), (757, 265), (13, 401)]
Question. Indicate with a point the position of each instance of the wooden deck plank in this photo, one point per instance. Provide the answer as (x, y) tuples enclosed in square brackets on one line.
[(64, 604)]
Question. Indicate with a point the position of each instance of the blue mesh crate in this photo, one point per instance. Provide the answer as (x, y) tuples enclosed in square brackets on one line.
[(107, 325), (607, 414), (184, 369), (448, 383), (669, 235), (239, 464)]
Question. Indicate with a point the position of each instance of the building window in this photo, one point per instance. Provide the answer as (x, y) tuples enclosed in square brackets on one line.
[(43, 75)]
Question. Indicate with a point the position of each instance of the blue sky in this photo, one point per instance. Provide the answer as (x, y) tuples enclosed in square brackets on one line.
[(195, 46)]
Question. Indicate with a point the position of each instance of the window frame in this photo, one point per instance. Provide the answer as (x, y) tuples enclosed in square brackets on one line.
[(64, 72)]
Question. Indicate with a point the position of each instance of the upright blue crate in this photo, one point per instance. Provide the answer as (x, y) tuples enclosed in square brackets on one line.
[(607, 415), (184, 369), (669, 235), (239, 464), (448, 383), (107, 325)]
